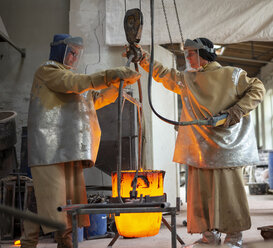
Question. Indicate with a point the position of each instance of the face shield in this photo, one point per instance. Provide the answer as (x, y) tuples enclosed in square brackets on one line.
[(191, 52), (73, 52), (192, 60)]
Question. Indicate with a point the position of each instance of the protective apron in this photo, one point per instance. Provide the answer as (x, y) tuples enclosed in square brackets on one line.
[(62, 123), (204, 94)]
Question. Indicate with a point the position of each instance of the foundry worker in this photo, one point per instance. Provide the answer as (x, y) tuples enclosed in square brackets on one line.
[(216, 198), (64, 133)]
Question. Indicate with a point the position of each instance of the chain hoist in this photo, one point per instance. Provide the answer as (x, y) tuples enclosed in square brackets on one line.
[(133, 23)]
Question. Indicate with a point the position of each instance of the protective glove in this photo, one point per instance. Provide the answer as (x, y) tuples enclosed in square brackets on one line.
[(235, 113), (115, 75)]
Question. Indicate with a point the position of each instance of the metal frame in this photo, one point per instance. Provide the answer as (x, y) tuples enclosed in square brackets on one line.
[(118, 210), (9, 188)]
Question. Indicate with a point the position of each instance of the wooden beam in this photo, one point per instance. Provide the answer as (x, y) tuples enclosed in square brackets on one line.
[(247, 60)]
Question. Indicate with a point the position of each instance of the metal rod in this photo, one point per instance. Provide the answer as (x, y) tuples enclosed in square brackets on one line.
[(129, 60), (31, 217), (74, 207), (119, 157), (173, 226), (19, 187), (113, 240), (170, 228), (102, 236), (131, 99), (74, 230), (122, 210), (139, 121)]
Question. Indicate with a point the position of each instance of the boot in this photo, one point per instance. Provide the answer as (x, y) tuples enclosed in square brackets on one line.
[(234, 240), (30, 236), (209, 239), (63, 238)]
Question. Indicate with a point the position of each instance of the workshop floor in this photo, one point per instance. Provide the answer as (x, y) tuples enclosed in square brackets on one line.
[(261, 209)]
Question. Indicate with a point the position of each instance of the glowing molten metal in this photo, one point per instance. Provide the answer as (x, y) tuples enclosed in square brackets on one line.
[(17, 243), (139, 224)]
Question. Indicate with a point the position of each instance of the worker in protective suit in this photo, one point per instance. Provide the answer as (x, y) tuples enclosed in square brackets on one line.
[(64, 133), (216, 198)]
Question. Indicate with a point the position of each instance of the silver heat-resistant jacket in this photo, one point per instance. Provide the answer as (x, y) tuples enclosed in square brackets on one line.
[(62, 122), (205, 94)]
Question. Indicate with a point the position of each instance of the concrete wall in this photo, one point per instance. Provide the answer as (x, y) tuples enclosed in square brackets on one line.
[(31, 25)]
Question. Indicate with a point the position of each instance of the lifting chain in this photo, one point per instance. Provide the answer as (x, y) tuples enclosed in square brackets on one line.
[(179, 25), (178, 21), (166, 19)]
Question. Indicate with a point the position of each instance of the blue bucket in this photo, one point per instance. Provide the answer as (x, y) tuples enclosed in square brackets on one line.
[(270, 167), (98, 225)]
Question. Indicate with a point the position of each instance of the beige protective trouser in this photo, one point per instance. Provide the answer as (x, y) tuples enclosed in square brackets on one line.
[(216, 200), (53, 186), (30, 236)]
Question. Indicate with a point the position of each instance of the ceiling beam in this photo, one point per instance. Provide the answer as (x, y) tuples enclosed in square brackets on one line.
[(244, 59), (264, 45)]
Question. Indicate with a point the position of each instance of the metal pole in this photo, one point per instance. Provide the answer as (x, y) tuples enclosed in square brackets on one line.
[(170, 229), (119, 157), (74, 229), (113, 240), (140, 121), (75, 207), (173, 226), (31, 217)]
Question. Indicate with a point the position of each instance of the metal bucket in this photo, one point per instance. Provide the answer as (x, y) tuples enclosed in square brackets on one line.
[(149, 183)]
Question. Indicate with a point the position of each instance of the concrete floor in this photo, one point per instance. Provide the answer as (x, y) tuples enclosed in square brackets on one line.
[(261, 210)]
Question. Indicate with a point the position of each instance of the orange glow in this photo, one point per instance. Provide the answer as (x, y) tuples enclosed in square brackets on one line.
[(17, 243), (139, 224)]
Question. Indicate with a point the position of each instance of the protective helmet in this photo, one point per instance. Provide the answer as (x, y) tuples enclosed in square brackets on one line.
[(66, 49)]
